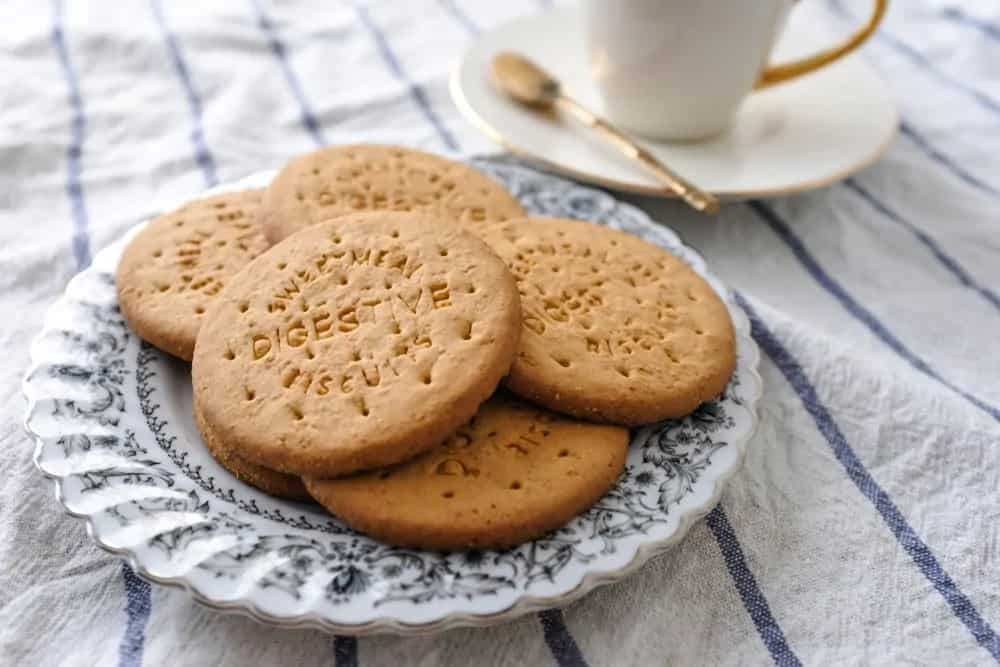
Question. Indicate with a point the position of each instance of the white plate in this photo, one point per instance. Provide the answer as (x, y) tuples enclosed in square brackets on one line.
[(793, 137), (111, 418)]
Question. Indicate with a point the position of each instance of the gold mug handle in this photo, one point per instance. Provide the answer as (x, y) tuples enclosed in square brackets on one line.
[(785, 71)]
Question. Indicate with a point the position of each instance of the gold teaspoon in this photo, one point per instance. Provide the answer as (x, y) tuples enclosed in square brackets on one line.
[(532, 86)]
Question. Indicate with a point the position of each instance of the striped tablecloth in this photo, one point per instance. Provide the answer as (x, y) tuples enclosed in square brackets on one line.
[(864, 526)]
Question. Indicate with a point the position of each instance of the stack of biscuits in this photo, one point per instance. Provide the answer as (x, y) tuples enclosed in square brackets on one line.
[(388, 333)]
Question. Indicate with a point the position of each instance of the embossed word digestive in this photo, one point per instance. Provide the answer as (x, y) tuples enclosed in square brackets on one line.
[(332, 310)]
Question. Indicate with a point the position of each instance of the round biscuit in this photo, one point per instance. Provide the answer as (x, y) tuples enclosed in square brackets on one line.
[(356, 343), (367, 177), (511, 474), (615, 330), (179, 263)]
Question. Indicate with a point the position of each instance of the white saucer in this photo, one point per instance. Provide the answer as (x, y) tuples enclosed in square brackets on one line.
[(797, 136)]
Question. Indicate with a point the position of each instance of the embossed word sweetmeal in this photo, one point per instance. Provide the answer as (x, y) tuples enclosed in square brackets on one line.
[(113, 422)]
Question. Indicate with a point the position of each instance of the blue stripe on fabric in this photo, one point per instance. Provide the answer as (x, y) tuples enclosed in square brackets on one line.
[(852, 306), (138, 605), (202, 155), (345, 651), (417, 91), (949, 262), (137, 591), (74, 151), (280, 52), (921, 554), (561, 643), (754, 601), (958, 16), (460, 16), (909, 132), (922, 61)]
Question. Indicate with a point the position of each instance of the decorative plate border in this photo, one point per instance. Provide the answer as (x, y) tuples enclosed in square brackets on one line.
[(69, 451)]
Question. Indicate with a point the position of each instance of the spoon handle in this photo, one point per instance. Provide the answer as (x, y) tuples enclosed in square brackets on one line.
[(697, 198)]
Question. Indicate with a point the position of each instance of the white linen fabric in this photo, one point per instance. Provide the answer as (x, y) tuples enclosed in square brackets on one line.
[(865, 525)]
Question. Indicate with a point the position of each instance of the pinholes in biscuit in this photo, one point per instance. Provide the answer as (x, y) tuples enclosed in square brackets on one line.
[(615, 329)]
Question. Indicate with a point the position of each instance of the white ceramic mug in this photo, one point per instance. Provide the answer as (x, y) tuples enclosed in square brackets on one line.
[(678, 69)]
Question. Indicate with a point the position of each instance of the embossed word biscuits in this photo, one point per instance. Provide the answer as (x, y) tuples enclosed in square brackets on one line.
[(177, 265), (270, 481), (615, 329), (511, 474), (348, 179), (356, 343)]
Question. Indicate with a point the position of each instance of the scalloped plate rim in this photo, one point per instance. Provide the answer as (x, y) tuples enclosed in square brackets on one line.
[(524, 603)]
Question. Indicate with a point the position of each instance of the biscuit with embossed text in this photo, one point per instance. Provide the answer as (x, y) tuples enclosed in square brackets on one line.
[(179, 263), (511, 474), (615, 329), (356, 343), (348, 179)]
